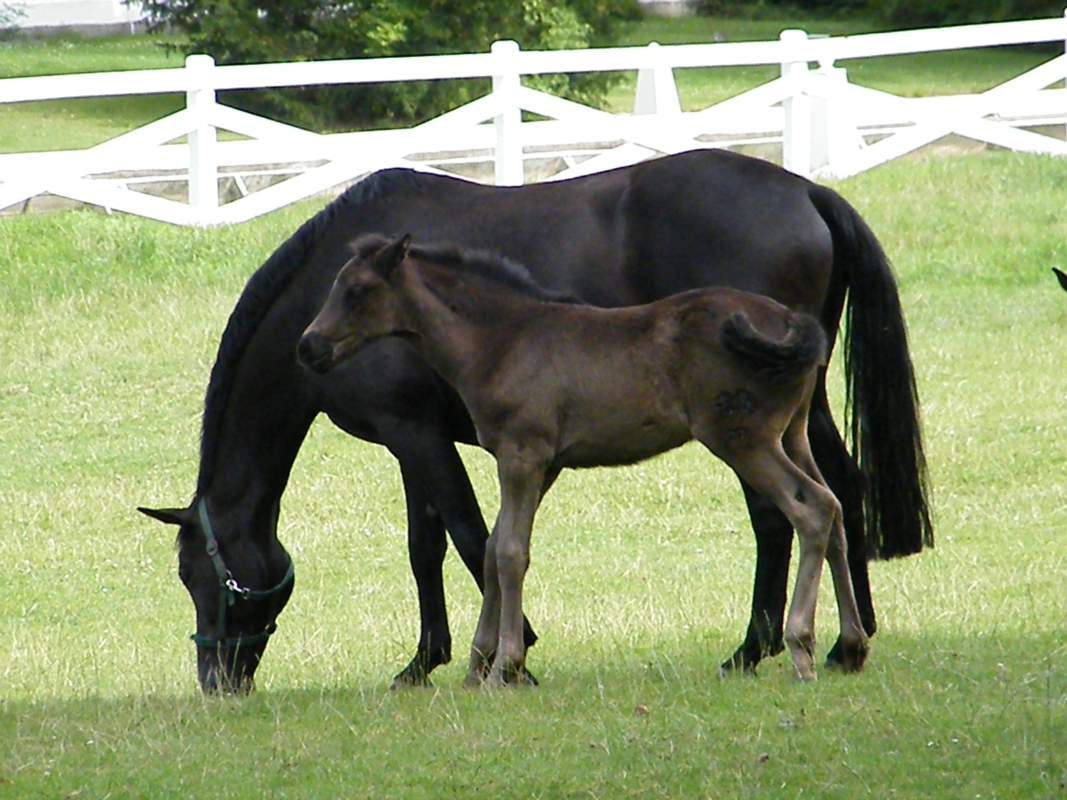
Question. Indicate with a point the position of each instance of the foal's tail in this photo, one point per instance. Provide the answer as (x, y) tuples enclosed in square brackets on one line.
[(784, 360), (880, 383)]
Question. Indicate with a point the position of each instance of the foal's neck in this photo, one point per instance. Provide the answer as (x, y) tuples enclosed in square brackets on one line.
[(454, 315)]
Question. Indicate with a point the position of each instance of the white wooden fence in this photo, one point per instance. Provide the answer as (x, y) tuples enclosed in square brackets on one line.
[(827, 125)]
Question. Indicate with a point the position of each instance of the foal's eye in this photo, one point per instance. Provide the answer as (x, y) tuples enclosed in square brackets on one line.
[(353, 296)]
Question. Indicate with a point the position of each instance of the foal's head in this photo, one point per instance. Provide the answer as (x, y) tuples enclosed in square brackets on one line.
[(361, 305)]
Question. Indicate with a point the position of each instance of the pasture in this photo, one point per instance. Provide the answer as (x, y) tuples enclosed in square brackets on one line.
[(640, 578)]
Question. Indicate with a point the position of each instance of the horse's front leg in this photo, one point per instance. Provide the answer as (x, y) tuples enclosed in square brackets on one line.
[(426, 553)]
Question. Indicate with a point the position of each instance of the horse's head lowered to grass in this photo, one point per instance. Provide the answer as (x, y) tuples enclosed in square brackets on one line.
[(238, 590)]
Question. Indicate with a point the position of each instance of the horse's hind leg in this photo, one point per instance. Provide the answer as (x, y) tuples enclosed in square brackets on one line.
[(774, 542)]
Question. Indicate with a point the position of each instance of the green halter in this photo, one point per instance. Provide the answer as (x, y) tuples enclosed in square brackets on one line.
[(230, 591)]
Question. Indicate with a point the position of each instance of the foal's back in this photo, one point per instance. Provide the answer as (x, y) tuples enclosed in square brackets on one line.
[(615, 386)]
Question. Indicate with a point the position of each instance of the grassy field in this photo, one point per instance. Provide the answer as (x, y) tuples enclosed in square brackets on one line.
[(640, 580)]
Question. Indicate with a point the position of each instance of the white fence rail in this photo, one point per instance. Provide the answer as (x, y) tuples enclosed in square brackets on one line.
[(827, 125)]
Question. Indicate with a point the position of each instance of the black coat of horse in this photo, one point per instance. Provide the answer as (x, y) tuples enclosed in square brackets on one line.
[(624, 237)]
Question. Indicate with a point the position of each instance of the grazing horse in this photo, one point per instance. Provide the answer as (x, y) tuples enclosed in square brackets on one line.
[(551, 385), (616, 238)]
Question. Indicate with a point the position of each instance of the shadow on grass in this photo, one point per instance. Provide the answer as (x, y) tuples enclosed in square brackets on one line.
[(930, 717)]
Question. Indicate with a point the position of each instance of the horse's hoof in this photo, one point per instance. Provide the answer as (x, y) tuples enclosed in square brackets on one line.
[(405, 681), (473, 680), (412, 675), (847, 660), (737, 664)]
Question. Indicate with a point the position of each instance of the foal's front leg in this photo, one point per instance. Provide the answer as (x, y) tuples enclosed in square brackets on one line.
[(522, 480)]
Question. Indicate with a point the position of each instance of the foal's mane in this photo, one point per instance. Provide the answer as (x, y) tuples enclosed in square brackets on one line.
[(259, 294), (479, 263)]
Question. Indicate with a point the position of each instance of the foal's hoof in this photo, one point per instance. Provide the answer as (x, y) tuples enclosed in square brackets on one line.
[(507, 679)]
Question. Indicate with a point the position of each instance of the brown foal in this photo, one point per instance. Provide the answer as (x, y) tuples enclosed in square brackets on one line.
[(556, 384)]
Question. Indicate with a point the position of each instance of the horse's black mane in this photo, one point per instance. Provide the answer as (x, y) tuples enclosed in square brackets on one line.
[(260, 293), (481, 263)]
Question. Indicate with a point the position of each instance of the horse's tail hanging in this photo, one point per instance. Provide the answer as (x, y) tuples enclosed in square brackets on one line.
[(785, 360), (882, 398)]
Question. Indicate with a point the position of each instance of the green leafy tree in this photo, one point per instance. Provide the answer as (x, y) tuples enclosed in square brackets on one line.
[(256, 31), (897, 13)]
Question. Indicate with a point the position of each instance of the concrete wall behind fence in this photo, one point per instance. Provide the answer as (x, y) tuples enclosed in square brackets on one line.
[(84, 15)]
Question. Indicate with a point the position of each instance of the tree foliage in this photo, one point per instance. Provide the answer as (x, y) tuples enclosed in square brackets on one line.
[(896, 13), (256, 31)]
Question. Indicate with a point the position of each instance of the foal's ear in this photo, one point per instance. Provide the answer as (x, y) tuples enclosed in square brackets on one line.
[(1062, 278), (392, 254), (171, 516)]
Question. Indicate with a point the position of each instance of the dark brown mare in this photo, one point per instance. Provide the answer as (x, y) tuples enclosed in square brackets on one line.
[(551, 385), (705, 218)]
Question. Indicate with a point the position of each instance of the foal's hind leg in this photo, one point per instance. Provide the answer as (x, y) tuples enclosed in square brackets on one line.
[(843, 477), (811, 508), (852, 645)]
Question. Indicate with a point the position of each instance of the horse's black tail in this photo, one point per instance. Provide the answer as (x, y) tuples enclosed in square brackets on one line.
[(785, 360), (881, 394)]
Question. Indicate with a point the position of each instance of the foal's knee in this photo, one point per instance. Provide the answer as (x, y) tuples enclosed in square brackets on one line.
[(512, 559)]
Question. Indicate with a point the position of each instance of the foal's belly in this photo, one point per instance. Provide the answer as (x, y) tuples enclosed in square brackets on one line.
[(614, 446)]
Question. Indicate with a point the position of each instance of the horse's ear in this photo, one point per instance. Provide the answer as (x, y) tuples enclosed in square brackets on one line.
[(171, 516), (1062, 277)]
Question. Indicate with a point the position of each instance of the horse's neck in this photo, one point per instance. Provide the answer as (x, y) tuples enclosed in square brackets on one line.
[(451, 315), (263, 423)]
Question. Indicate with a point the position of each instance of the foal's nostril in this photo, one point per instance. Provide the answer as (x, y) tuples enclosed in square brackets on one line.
[(303, 350), (314, 352)]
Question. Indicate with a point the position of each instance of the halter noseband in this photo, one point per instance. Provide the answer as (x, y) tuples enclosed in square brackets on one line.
[(230, 591)]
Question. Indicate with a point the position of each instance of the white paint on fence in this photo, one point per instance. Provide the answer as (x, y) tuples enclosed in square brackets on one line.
[(827, 126)]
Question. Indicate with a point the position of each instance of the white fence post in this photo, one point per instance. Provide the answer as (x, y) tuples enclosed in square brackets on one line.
[(796, 131), (834, 138), (656, 91), (507, 157), (203, 159)]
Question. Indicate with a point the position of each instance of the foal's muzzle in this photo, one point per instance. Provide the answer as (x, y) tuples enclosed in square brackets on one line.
[(315, 352)]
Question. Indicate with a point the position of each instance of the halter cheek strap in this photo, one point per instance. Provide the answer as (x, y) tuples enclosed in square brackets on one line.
[(230, 592)]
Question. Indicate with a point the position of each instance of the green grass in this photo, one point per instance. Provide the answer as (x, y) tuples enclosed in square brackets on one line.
[(78, 123), (640, 578), (919, 75)]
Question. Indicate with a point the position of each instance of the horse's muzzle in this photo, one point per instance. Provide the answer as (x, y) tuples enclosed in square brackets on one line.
[(315, 352)]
